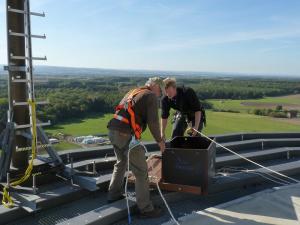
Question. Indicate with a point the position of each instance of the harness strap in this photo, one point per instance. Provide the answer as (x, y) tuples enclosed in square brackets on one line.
[(127, 105), (121, 118)]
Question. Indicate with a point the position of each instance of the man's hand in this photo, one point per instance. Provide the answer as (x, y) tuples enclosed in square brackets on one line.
[(162, 146), (194, 132)]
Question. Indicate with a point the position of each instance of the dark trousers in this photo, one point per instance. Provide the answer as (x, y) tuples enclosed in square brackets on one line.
[(180, 124)]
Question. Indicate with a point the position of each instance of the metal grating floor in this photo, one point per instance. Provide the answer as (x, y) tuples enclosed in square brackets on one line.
[(64, 212)]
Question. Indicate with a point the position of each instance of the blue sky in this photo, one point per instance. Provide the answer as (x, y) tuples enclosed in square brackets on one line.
[(247, 36)]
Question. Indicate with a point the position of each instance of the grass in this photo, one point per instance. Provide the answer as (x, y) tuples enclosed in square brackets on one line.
[(87, 126), (218, 123), (90, 126), (230, 105), (221, 122), (63, 145), (2, 100), (288, 99), (236, 105)]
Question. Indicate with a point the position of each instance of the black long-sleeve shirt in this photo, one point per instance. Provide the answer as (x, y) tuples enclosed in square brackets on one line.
[(186, 101)]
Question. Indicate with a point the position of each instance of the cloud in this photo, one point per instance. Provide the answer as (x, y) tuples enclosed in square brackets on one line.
[(219, 39), (277, 48)]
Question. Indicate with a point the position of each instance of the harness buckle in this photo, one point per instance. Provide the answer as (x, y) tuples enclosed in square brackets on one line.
[(134, 142)]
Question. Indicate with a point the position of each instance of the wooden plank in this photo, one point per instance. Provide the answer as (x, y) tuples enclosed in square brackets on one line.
[(181, 188)]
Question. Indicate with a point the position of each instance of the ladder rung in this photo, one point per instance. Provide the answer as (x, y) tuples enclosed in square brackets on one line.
[(25, 35), (25, 12), (25, 126), (27, 58), (26, 103), (24, 134), (14, 80), (16, 68)]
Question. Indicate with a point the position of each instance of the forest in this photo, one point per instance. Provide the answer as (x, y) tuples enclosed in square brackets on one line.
[(75, 98)]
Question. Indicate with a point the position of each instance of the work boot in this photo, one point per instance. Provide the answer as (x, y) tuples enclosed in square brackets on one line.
[(115, 199), (156, 212)]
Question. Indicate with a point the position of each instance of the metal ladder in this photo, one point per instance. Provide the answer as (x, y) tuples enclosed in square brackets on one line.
[(22, 129), (28, 57), (66, 172)]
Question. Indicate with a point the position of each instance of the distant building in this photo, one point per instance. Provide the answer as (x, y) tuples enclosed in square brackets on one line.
[(88, 140), (53, 141), (81, 138)]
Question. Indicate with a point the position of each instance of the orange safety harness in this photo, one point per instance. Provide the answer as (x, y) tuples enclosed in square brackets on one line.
[(126, 104)]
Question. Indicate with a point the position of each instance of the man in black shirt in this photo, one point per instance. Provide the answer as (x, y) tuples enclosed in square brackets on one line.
[(188, 109)]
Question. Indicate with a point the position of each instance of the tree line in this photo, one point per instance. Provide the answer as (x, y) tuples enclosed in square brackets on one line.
[(70, 98)]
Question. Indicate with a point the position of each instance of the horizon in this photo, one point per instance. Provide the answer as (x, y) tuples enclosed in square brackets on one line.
[(42, 70), (248, 37)]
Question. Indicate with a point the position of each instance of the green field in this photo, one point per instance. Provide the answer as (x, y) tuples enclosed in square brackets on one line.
[(218, 123), (270, 102), (90, 126), (230, 105), (289, 99), (221, 122)]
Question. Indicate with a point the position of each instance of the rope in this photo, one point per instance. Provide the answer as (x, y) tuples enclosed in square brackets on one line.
[(267, 174), (264, 175), (7, 199), (126, 188), (249, 160), (161, 195), (137, 143)]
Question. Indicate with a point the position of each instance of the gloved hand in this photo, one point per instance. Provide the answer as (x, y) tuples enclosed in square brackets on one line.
[(189, 131)]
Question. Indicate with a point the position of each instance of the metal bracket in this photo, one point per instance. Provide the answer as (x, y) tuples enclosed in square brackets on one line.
[(9, 9), (16, 34), (15, 68)]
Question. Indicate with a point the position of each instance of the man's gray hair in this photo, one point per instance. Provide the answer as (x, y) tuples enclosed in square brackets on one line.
[(154, 81)]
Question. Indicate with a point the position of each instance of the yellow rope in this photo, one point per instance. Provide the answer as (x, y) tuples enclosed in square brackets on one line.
[(7, 200)]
